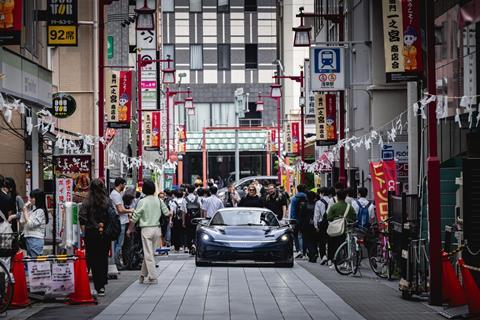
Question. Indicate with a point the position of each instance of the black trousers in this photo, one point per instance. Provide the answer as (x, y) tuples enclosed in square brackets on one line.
[(322, 239), (178, 235), (333, 244), (190, 232), (310, 242), (97, 257)]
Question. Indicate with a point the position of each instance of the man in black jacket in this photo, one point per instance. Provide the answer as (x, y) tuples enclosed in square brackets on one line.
[(276, 201), (251, 200)]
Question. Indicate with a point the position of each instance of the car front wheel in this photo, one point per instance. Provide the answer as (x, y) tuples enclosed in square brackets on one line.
[(199, 263)]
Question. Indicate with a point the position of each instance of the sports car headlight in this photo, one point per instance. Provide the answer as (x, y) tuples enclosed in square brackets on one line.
[(284, 237), (205, 237)]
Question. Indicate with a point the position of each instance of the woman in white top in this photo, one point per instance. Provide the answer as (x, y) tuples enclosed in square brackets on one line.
[(34, 222)]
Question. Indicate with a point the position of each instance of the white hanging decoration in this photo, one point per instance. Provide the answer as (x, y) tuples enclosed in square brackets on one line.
[(7, 114), (464, 102), (380, 141), (374, 134), (29, 126), (22, 107), (368, 143), (457, 117), (416, 107), (439, 111), (432, 98)]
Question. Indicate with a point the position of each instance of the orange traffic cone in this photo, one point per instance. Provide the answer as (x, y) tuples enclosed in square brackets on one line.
[(20, 291), (472, 292), (82, 292), (452, 290)]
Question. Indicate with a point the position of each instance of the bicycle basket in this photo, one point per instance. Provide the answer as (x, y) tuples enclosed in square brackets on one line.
[(8, 244)]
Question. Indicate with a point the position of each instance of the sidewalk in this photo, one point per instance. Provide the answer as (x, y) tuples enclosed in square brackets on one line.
[(211, 293), (372, 297)]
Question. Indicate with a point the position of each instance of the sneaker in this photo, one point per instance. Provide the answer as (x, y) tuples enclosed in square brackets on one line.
[(299, 256), (141, 279), (324, 260), (101, 292), (329, 263), (151, 281), (332, 266)]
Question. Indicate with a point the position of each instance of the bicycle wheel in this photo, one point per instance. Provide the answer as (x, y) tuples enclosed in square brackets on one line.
[(356, 257), (6, 288), (379, 262), (342, 260)]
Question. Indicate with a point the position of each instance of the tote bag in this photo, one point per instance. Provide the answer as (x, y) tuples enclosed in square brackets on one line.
[(337, 227)]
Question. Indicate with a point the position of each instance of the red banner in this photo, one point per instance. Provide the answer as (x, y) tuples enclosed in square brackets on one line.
[(390, 169), (295, 137), (11, 22), (156, 129), (380, 191)]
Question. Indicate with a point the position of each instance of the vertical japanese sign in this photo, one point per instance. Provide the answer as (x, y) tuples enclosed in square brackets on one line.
[(11, 22), (181, 139), (295, 137), (118, 93), (77, 168), (288, 138), (64, 190), (326, 119), (272, 140), (384, 179), (390, 168), (62, 23), (402, 42), (151, 130)]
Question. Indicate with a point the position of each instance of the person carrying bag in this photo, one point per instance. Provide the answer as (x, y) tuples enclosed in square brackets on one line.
[(337, 227)]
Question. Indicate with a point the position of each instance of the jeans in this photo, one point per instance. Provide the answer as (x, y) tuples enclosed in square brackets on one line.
[(167, 233), (297, 237), (34, 246), (119, 243)]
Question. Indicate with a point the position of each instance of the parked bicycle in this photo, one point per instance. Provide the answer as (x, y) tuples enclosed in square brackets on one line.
[(349, 255), (8, 248), (381, 261)]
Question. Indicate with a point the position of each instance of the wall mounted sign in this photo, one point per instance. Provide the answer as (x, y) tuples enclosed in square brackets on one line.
[(151, 130), (118, 93), (63, 105), (326, 119), (62, 23), (402, 41), (328, 70), (10, 22)]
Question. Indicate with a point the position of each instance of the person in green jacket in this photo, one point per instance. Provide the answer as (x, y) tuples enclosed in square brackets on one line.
[(335, 211), (147, 214)]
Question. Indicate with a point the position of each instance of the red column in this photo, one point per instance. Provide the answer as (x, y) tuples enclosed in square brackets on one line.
[(139, 111), (279, 152), (341, 37), (167, 95), (302, 127), (101, 89)]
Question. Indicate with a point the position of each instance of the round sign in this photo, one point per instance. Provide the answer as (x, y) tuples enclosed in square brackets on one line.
[(332, 77), (322, 77), (63, 105)]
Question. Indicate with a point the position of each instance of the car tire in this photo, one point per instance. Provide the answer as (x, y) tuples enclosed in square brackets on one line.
[(285, 264), (199, 263)]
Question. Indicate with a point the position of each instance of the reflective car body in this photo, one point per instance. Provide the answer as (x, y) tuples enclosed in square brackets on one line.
[(244, 234)]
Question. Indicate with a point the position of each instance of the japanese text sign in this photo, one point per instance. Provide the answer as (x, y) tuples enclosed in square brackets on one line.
[(328, 70), (326, 119), (62, 23), (11, 22), (295, 137), (384, 179), (118, 93), (402, 42), (151, 130), (77, 168)]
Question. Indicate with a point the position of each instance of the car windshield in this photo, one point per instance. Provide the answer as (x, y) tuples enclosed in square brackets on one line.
[(244, 218)]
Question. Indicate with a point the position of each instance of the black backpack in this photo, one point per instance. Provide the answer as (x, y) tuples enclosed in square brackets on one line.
[(113, 227), (323, 225), (307, 210), (177, 214), (193, 208)]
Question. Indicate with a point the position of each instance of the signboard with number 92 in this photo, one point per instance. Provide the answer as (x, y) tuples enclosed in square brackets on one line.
[(62, 35)]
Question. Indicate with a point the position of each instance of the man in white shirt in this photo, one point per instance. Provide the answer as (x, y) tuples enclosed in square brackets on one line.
[(321, 207), (364, 202), (211, 204), (116, 197)]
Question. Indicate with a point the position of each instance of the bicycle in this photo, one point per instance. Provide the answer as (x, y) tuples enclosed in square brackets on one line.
[(8, 248), (382, 262), (348, 256)]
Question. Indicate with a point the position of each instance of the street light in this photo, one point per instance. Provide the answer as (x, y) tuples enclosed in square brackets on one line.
[(145, 18), (276, 90), (189, 104), (259, 103), (302, 33), (168, 73)]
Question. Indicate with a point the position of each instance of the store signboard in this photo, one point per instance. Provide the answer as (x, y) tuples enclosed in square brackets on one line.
[(62, 23), (118, 93), (326, 119), (151, 130)]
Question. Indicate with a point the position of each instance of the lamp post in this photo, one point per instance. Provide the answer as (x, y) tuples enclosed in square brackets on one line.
[(299, 79), (168, 78), (188, 104), (302, 39), (275, 94), (145, 17)]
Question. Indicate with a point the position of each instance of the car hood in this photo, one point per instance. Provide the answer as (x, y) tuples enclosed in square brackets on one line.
[(252, 233)]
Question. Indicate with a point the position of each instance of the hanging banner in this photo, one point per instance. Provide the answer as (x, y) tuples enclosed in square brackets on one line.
[(402, 42), (295, 137), (62, 23), (11, 22), (181, 139), (326, 119), (328, 70), (272, 141), (380, 191), (64, 190), (390, 169), (288, 138), (118, 93), (77, 168), (151, 130)]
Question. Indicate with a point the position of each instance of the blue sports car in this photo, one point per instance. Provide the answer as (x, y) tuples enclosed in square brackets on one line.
[(252, 234)]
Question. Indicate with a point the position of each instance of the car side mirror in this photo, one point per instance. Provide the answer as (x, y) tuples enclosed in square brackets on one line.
[(290, 222), (201, 221)]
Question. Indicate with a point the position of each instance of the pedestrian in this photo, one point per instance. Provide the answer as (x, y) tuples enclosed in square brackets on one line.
[(332, 196), (365, 210), (5, 202), (147, 214), (337, 211), (178, 217), (351, 195), (93, 218), (116, 197), (285, 194), (276, 202), (16, 202), (192, 208), (34, 222), (166, 222), (320, 222), (201, 195), (212, 203), (251, 199), (307, 210), (299, 197), (231, 197)]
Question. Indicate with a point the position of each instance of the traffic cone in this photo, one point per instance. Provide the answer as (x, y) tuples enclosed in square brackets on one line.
[(82, 293), (452, 290), (472, 292), (20, 291)]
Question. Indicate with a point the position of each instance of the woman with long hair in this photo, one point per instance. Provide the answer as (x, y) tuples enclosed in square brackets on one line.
[(17, 202), (93, 219), (34, 222)]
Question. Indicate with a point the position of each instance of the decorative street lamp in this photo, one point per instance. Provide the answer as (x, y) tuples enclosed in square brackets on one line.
[(276, 90), (168, 73), (189, 104), (302, 33), (145, 18), (259, 103)]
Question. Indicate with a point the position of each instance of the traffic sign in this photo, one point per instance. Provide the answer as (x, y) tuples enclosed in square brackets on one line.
[(328, 70)]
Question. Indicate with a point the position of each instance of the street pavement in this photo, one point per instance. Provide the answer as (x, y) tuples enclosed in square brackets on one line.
[(229, 292)]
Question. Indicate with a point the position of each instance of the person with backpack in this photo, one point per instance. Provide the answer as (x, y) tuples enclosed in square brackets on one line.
[(165, 222), (307, 210), (94, 221), (177, 205), (320, 223), (147, 214), (364, 208), (192, 209), (295, 205), (212, 203)]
